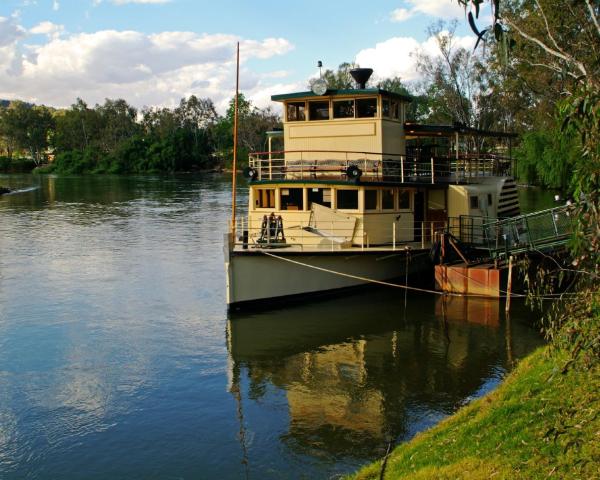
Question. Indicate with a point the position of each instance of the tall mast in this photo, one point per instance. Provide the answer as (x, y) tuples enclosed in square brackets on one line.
[(235, 140)]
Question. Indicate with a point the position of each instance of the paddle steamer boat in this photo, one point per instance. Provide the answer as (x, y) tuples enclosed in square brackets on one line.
[(357, 195)]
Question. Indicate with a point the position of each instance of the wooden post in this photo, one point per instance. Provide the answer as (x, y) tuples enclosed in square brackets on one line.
[(432, 172), (509, 284), (235, 139)]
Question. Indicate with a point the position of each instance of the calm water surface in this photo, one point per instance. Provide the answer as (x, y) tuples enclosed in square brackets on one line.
[(118, 358)]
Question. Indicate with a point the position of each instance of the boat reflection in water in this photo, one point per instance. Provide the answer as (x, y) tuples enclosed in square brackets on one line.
[(359, 372)]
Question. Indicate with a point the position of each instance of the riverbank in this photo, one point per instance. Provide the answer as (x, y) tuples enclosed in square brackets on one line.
[(540, 423)]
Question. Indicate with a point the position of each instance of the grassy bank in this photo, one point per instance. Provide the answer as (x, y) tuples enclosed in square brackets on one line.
[(540, 423)]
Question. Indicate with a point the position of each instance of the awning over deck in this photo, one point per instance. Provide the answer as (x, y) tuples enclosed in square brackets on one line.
[(419, 130)]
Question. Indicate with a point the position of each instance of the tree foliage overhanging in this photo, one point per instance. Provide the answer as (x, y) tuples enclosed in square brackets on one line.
[(550, 50)]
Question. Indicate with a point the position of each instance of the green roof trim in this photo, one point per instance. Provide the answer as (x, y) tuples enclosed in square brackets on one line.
[(337, 93)]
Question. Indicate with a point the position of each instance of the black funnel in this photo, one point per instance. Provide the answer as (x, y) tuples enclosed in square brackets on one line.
[(361, 76)]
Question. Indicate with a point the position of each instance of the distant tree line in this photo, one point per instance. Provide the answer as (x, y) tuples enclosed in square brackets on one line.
[(117, 138)]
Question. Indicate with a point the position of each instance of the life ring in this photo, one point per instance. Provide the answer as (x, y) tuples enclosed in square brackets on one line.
[(353, 172), (250, 173)]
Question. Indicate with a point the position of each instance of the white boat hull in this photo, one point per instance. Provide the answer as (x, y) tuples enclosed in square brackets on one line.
[(255, 276)]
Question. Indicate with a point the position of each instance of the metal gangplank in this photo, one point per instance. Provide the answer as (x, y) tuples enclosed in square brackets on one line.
[(544, 230)]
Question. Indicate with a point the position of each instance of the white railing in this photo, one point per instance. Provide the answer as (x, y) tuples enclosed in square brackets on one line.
[(333, 235), (382, 167)]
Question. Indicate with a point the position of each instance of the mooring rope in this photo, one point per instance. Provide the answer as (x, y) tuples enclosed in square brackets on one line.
[(407, 287)]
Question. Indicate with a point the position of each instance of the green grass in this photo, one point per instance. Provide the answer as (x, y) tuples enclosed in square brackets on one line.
[(540, 423)]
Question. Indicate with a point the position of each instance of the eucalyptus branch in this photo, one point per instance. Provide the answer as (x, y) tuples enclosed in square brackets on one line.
[(552, 68), (563, 269), (555, 53), (593, 15), (544, 65), (548, 27)]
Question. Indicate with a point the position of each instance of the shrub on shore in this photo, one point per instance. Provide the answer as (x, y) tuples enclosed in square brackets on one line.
[(16, 165)]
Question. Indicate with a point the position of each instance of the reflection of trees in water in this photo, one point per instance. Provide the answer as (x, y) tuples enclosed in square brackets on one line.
[(361, 391)]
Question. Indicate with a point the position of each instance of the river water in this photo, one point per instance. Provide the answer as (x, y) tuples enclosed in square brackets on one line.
[(118, 358)]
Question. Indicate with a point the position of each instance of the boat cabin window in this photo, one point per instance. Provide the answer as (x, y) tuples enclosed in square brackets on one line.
[(370, 199), (343, 109), (322, 196), (404, 200), (395, 110), (264, 198), (296, 111), (489, 199), (473, 201), (292, 199), (366, 107), (385, 107), (318, 110), (387, 199), (347, 199)]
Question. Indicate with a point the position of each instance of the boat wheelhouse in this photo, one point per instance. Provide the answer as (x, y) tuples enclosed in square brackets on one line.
[(357, 194)]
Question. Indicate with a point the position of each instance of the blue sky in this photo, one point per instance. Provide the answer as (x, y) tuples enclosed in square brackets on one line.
[(153, 52)]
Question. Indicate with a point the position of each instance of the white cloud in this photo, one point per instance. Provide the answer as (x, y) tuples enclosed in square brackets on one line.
[(55, 5), (10, 51), (10, 32), (391, 58), (401, 14), (154, 70), (47, 28), (446, 9), (397, 56)]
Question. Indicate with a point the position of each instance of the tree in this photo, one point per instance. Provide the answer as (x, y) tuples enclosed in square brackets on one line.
[(28, 128), (253, 123), (76, 128), (196, 112), (460, 87), (118, 120)]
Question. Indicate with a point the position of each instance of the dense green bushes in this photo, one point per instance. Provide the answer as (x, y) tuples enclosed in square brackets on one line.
[(16, 165), (547, 158)]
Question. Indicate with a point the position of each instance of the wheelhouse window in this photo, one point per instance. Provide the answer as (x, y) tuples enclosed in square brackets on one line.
[(347, 199), (385, 107), (395, 110), (473, 201), (366, 107), (343, 109), (264, 198), (322, 196), (296, 111), (292, 199), (318, 110), (387, 199), (370, 199)]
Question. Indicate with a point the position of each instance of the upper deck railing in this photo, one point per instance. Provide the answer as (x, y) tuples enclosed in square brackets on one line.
[(375, 167)]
